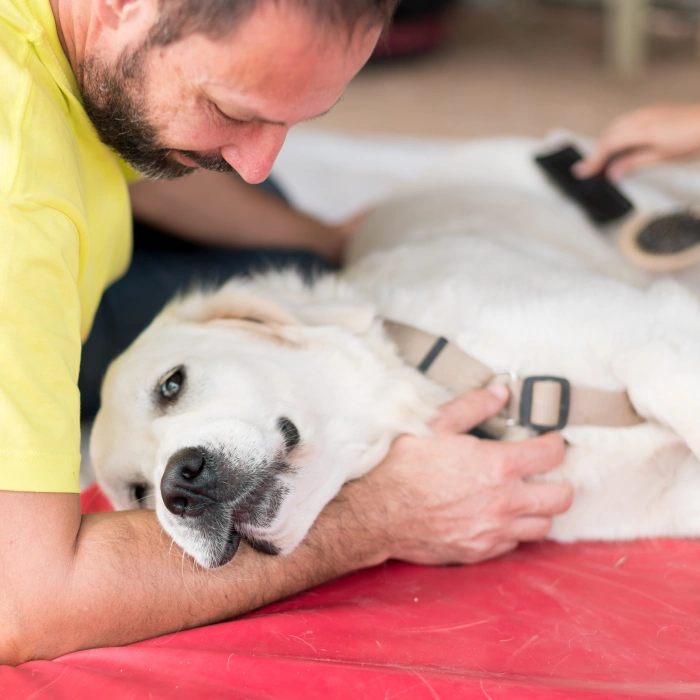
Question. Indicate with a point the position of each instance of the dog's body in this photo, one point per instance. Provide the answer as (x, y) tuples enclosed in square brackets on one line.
[(268, 395)]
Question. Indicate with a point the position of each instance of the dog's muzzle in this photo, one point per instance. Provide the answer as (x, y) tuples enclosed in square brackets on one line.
[(221, 501)]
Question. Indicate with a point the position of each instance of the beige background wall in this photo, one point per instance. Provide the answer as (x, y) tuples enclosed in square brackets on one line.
[(525, 75)]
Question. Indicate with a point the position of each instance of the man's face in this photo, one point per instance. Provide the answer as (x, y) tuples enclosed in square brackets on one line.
[(223, 105)]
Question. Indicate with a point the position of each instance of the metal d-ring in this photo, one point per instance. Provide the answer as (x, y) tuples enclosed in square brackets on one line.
[(513, 377)]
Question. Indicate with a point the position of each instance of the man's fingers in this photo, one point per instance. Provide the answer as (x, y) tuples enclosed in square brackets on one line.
[(542, 499), (468, 410), (530, 529), (494, 552), (534, 456)]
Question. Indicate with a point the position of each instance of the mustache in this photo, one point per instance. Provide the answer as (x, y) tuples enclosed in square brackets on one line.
[(209, 161)]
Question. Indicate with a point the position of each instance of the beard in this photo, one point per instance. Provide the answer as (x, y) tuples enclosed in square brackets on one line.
[(113, 98)]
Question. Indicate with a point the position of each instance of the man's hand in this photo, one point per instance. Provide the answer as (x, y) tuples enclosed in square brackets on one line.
[(644, 137), (331, 241), (327, 241), (452, 498)]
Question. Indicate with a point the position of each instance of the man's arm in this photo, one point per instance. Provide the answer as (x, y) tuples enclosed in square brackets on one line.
[(69, 582), (222, 210)]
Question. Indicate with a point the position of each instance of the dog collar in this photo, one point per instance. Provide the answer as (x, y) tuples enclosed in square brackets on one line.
[(543, 403)]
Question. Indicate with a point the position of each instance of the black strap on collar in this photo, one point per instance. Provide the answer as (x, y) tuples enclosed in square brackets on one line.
[(432, 355)]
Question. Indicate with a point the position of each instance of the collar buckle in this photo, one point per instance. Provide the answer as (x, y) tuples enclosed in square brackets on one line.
[(527, 399)]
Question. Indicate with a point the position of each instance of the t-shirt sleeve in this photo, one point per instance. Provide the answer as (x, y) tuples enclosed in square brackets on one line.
[(39, 349)]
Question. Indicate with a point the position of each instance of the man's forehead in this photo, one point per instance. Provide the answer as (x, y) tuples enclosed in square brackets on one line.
[(283, 71)]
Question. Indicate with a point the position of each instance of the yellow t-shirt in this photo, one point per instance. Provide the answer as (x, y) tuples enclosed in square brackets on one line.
[(65, 235)]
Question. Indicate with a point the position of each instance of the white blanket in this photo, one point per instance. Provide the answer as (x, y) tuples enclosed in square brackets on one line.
[(335, 176)]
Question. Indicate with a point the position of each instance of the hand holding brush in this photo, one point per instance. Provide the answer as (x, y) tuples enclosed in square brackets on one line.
[(644, 137)]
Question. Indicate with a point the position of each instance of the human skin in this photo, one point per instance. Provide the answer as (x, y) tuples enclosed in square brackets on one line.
[(71, 582), (214, 209), (644, 137)]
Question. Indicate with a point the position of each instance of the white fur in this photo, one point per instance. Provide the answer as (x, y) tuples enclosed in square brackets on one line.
[(487, 255)]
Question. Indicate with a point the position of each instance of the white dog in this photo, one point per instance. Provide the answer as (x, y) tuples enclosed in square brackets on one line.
[(240, 412)]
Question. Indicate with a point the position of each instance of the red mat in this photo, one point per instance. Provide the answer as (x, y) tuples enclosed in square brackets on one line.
[(588, 621)]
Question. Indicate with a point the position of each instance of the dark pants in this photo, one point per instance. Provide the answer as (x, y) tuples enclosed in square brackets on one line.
[(161, 267)]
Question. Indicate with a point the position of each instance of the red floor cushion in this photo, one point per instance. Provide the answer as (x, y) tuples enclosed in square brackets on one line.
[(549, 621)]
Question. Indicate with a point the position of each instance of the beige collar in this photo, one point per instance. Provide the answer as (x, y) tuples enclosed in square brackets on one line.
[(542, 403)]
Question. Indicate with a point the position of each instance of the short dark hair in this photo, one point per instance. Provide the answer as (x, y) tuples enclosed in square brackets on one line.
[(217, 18)]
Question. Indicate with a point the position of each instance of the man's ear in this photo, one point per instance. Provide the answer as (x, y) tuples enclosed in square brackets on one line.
[(115, 13)]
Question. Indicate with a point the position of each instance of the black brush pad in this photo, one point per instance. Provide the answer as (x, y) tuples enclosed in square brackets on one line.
[(670, 234), (598, 197)]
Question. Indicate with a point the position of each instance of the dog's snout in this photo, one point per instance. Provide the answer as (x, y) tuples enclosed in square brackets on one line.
[(189, 483)]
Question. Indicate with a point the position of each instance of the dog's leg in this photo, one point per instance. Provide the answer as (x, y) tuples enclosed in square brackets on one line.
[(660, 365), (628, 483), (663, 381)]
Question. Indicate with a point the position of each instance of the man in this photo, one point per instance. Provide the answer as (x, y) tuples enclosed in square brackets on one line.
[(175, 85)]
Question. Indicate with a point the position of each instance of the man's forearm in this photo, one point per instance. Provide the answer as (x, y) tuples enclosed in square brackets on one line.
[(69, 583), (128, 582), (222, 210)]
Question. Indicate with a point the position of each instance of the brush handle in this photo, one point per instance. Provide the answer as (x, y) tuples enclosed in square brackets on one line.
[(597, 196)]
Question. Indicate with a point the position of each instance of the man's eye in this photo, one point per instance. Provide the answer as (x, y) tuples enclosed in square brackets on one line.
[(172, 385), (223, 115)]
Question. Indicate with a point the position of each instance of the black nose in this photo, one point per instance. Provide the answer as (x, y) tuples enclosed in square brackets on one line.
[(190, 482)]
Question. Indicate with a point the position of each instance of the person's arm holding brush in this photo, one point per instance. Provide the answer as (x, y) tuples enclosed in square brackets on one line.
[(644, 137)]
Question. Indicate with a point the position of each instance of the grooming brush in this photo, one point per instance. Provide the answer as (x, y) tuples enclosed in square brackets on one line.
[(597, 196), (656, 242), (663, 242)]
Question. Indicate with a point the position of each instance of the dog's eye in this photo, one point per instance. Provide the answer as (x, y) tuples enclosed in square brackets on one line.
[(290, 433), (138, 494), (171, 386)]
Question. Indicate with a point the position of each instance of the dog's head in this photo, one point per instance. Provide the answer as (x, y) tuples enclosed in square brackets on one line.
[(237, 418)]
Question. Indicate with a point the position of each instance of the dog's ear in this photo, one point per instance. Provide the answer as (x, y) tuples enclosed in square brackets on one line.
[(354, 316), (226, 303), (229, 303)]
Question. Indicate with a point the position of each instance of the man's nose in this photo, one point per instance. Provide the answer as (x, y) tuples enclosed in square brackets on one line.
[(254, 155)]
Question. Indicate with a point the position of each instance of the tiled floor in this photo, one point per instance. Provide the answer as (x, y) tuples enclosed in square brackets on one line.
[(496, 77)]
